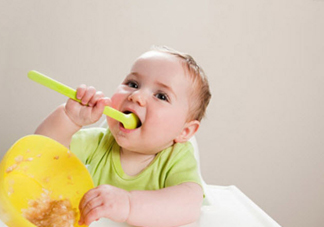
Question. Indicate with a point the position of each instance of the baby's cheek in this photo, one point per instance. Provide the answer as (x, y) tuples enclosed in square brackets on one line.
[(111, 123), (118, 100), (115, 101)]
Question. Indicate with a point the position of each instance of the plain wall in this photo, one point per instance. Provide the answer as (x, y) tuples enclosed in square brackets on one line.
[(264, 130)]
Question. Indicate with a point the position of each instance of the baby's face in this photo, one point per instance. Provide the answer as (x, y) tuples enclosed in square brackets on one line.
[(157, 91)]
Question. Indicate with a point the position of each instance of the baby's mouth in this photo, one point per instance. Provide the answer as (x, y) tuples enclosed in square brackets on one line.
[(139, 123)]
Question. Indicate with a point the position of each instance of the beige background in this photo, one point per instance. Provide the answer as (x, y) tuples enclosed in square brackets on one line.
[(265, 60)]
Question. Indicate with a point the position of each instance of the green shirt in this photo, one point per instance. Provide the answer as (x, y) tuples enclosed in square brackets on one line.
[(97, 148)]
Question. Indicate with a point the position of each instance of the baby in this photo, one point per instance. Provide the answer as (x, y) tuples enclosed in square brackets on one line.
[(145, 176)]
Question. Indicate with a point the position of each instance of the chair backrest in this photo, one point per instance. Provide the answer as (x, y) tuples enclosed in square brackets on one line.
[(194, 143)]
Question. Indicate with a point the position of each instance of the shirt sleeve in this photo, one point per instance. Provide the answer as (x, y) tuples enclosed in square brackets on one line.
[(183, 166), (85, 142)]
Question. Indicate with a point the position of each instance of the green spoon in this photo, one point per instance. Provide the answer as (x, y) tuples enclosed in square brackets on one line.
[(130, 121)]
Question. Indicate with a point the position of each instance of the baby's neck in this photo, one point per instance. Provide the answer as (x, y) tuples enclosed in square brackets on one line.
[(133, 163)]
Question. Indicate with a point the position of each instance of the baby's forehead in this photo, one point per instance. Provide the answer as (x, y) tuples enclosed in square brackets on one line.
[(166, 58), (164, 64)]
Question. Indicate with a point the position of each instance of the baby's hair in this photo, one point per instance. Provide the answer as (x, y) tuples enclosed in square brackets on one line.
[(202, 94)]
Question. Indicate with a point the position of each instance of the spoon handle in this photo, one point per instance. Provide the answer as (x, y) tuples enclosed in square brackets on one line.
[(53, 84)]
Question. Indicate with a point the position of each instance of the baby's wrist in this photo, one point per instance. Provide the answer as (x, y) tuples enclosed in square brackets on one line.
[(72, 123), (129, 207), (135, 212)]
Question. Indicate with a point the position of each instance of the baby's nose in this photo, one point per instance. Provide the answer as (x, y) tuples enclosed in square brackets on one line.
[(139, 97)]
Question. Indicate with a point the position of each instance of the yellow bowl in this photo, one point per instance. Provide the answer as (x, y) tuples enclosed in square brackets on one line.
[(35, 164)]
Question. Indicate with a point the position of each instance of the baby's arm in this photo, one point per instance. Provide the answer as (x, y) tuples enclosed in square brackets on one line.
[(69, 118), (172, 206)]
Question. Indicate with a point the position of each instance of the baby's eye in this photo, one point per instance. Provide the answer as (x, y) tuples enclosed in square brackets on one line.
[(162, 96), (132, 84)]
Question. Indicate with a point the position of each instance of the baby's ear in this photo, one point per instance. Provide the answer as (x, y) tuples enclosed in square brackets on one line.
[(188, 131)]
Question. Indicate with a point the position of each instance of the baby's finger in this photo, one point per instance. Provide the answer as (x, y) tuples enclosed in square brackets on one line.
[(90, 92), (81, 91), (91, 211), (98, 95), (90, 195), (107, 101), (100, 106), (93, 215)]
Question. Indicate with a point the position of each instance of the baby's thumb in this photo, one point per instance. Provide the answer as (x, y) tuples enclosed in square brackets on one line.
[(100, 106), (107, 101)]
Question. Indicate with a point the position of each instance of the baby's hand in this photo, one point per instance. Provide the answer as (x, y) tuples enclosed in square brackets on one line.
[(91, 107), (104, 201)]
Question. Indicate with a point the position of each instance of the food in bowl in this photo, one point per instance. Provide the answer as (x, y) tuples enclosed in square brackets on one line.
[(46, 212)]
